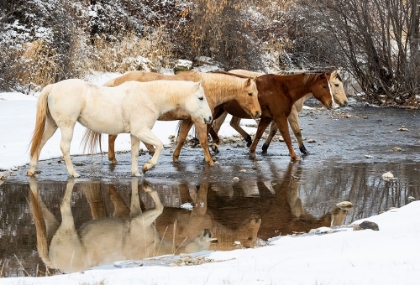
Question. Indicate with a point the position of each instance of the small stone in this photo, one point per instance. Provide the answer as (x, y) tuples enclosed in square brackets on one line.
[(96, 162), (387, 176), (311, 141), (235, 179), (242, 170), (396, 149), (368, 156), (403, 129)]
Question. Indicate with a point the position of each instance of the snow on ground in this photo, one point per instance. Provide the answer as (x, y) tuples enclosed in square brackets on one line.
[(388, 256)]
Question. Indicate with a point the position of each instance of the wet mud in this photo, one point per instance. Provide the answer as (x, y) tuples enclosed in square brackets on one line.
[(243, 202)]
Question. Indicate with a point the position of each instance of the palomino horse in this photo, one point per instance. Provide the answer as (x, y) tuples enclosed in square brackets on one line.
[(130, 108), (219, 88), (339, 96), (105, 240), (277, 94)]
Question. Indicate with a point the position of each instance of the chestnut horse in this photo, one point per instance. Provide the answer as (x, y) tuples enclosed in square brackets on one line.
[(130, 108), (339, 97), (219, 89), (277, 94)]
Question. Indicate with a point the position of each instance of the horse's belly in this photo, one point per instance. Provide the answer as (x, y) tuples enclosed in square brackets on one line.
[(177, 114), (105, 125)]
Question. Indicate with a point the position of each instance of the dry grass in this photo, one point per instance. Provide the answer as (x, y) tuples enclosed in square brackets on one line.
[(129, 53)]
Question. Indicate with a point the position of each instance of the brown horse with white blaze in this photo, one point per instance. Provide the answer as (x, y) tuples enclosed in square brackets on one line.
[(277, 94), (218, 88), (339, 96)]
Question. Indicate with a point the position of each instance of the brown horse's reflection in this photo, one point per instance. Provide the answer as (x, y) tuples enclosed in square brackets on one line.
[(276, 203), (103, 240), (179, 224)]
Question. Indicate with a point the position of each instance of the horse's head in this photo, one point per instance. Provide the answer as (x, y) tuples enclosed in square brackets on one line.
[(321, 89), (196, 104), (247, 233), (199, 243), (337, 89), (248, 98)]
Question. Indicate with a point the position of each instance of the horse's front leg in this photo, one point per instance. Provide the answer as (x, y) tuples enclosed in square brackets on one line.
[(281, 122), (111, 148), (262, 125), (135, 145), (147, 136), (182, 136)]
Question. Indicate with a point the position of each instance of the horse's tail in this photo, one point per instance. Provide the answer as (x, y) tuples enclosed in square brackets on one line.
[(110, 83), (41, 115), (41, 229), (89, 140), (178, 128)]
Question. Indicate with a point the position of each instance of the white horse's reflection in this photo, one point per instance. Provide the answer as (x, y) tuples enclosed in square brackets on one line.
[(105, 240)]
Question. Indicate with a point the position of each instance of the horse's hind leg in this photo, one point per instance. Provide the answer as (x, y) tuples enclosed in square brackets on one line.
[(273, 130), (50, 128), (66, 249), (262, 125), (146, 136), (202, 132), (111, 149), (66, 137), (182, 136), (293, 119), (234, 123)]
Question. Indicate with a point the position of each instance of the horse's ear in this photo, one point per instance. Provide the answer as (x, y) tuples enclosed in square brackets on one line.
[(248, 82)]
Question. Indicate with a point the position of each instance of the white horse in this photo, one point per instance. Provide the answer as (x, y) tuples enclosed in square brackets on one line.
[(132, 107), (105, 240)]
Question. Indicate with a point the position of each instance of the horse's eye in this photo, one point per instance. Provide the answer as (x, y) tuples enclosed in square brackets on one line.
[(201, 98), (250, 94), (336, 85), (325, 87)]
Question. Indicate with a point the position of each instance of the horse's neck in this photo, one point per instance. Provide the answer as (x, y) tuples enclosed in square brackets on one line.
[(219, 92), (297, 89)]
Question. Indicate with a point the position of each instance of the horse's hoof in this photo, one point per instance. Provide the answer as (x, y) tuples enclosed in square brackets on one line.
[(75, 175), (144, 169), (303, 150), (30, 173), (264, 148), (297, 158), (114, 161), (252, 155), (248, 141)]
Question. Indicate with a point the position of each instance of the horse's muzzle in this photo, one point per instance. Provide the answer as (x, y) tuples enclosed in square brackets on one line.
[(256, 115), (208, 120)]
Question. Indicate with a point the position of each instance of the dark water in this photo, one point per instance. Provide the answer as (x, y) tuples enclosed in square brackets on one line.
[(272, 197)]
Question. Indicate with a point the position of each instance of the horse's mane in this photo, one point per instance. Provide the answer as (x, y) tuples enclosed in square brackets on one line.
[(228, 73)]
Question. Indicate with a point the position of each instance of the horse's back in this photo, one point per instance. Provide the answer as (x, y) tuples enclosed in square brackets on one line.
[(246, 72)]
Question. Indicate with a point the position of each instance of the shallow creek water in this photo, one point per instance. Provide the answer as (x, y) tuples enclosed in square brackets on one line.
[(352, 149)]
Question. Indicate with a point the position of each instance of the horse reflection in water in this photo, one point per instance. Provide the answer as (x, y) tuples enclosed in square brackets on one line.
[(276, 203), (105, 240), (181, 224)]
